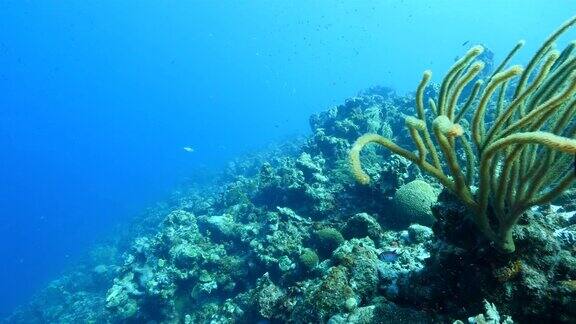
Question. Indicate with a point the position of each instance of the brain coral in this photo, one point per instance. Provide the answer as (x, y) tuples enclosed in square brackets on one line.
[(412, 203)]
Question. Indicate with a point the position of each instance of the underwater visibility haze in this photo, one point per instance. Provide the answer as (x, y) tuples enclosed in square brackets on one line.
[(288, 161)]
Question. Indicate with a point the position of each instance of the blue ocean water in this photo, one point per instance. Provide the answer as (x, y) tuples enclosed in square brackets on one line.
[(99, 99)]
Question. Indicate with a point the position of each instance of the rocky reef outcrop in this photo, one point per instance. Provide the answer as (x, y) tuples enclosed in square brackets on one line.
[(289, 236)]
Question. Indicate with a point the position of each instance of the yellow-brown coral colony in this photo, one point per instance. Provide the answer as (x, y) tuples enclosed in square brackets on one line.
[(530, 139)]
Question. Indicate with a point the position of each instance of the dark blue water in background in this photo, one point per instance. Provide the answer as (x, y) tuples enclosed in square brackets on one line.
[(98, 99)]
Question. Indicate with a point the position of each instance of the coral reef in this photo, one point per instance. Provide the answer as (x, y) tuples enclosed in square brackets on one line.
[(523, 159), (287, 235), (464, 270), (284, 237)]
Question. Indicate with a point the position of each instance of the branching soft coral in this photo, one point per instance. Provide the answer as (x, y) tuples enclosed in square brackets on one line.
[(522, 157)]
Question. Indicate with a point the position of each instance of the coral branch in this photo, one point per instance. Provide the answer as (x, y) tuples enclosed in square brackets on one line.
[(532, 133)]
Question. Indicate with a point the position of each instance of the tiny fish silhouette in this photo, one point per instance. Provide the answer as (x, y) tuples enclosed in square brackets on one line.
[(188, 149)]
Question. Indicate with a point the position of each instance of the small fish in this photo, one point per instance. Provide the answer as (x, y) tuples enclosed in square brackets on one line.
[(188, 149), (389, 256), (465, 43)]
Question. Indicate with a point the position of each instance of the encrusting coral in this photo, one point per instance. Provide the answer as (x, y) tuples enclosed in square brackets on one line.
[(523, 156)]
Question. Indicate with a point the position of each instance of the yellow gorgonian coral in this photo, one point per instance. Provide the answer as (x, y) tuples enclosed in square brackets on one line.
[(517, 156)]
